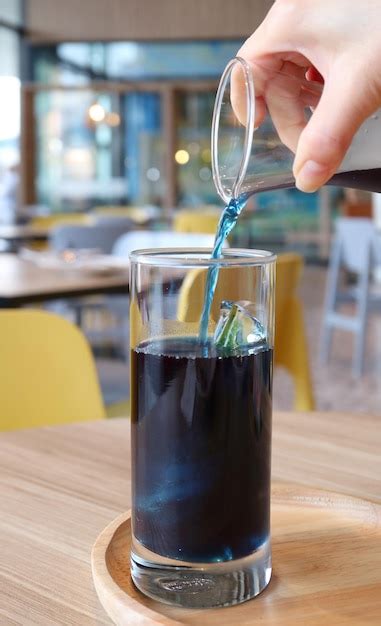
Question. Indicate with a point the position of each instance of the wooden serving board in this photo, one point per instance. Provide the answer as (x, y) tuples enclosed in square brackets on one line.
[(326, 569)]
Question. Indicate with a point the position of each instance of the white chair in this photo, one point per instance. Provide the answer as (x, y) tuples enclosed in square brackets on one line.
[(160, 239), (356, 249), (118, 305), (123, 222), (135, 240), (99, 236)]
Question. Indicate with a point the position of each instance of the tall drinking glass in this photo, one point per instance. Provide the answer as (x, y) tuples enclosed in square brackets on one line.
[(201, 426)]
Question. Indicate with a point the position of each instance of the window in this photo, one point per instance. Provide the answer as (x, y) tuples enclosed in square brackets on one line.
[(127, 60), (98, 148), (10, 18), (128, 161)]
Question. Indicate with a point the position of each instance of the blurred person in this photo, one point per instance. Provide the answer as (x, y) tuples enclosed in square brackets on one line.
[(336, 42)]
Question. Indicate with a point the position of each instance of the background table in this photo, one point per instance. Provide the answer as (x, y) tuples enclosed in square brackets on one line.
[(23, 233), (60, 486), (23, 282)]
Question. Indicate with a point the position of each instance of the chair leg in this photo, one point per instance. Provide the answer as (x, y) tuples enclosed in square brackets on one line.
[(359, 354), (330, 302), (360, 336), (78, 316), (304, 397), (325, 343)]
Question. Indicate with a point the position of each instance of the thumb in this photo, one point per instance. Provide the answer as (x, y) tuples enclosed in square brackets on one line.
[(343, 107)]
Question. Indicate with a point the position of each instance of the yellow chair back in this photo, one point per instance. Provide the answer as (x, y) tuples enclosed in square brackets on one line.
[(196, 221), (47, 372), (56, 219), (291, 350), (291, 346), (138, 214)]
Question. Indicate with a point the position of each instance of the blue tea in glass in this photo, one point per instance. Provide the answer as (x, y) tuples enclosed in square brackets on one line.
[(201, 426)]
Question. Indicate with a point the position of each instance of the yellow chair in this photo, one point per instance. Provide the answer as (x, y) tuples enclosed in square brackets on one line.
[(291, 346), (196, 221), (138, 214), (47, 372), (56, 219), (291, 350), (119, 409)]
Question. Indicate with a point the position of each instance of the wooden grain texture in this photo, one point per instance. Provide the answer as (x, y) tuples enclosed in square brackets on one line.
[(22, 282), (339, 535), (150, 19), (60, 486)]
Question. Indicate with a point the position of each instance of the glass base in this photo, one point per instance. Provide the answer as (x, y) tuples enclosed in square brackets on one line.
[(200, 585)]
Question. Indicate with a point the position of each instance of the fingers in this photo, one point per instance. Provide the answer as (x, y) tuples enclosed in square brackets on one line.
[(238, 97), (238, 94), (331, 43), (285, 104), (260, 111), (345, 103), (282, 35), (283, 92)]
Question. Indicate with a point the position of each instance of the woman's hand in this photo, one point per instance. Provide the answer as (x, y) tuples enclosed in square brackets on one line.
[(335, 41)]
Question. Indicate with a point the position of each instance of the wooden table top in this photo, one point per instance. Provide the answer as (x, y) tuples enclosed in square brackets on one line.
[(23, 282), (60, 486), (23, 232)]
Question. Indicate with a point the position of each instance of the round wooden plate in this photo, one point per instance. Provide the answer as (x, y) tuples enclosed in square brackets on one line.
[(326, 569)]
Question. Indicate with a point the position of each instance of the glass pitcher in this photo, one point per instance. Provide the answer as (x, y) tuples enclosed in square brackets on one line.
[(256, 127)]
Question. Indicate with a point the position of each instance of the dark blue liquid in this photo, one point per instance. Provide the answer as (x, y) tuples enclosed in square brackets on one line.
[(226, 224), (201, 448), (368, 180)]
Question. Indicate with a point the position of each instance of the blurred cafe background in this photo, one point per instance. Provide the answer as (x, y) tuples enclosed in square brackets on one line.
[(105, 116)]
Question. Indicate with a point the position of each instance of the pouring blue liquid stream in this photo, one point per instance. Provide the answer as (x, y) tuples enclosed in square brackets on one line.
[(226, 224), (370, 180)]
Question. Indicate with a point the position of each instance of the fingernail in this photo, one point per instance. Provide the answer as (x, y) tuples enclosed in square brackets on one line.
[(311, 176)]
